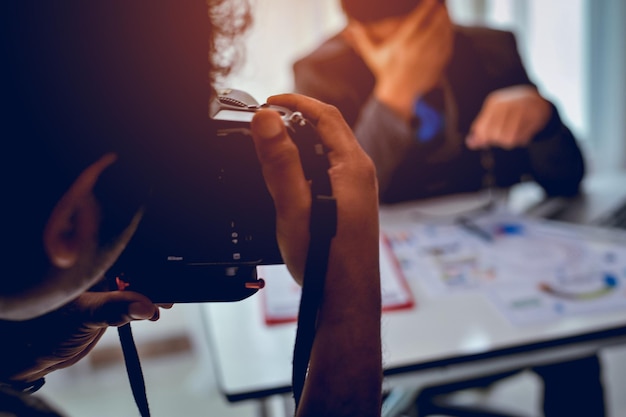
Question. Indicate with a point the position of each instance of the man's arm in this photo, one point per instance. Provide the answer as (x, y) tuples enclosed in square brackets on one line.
[(516, 115), (345, 373), (334, 74), (385, 137)]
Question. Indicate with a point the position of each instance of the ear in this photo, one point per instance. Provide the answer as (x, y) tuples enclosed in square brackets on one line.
[(74, 221)]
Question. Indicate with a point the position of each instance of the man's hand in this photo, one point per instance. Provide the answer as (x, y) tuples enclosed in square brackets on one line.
[(510, 118), (409, 57), (345, 373), (351, 173), (59, 339)]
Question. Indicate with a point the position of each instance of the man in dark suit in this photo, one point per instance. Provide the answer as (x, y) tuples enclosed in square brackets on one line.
[(440, 108)]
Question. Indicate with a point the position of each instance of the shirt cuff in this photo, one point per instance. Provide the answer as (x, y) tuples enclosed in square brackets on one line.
[(552, 127)]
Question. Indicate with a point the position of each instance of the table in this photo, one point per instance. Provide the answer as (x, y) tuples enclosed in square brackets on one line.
[(441, 340)]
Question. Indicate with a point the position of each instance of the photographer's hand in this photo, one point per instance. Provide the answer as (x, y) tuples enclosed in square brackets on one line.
[(345, 371), (34, 348)]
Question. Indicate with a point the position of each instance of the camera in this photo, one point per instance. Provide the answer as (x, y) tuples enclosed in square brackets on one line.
[(209, 218)]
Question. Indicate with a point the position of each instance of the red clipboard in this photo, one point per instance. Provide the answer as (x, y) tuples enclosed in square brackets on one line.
[(281, 295)]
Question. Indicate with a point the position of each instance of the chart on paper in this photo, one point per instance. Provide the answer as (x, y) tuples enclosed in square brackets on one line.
[(530, 269)]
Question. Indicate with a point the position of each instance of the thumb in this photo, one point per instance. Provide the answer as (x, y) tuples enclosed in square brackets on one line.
[(115, 308)]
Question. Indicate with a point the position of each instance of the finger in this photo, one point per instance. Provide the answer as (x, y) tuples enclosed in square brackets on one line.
[(472, 141), (525, 135), (358, 39), (419, 18), (509, 133), (115, 308), (478, 136), (438, 37), (439, 28), (521, 133), (280, 162), (284, 177), (334, 132), (501, 127)]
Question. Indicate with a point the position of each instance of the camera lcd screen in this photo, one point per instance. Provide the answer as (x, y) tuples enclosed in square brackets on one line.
[(234, 115)]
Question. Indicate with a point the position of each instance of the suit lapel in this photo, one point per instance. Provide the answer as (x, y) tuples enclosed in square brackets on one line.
[(469, 81)]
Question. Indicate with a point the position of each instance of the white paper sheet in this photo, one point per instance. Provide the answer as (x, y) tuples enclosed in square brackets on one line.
[(532, 270), (281, 295)]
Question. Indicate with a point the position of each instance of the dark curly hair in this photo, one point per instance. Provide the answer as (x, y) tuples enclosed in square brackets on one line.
[(81, 78), (229, 19)]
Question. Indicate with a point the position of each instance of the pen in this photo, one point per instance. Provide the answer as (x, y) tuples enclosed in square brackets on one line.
[(472, 227)]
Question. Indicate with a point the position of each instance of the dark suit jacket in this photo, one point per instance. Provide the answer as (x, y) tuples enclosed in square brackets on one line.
[(484, 60)]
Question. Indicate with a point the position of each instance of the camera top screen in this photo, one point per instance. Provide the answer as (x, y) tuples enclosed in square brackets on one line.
[(234, 115)]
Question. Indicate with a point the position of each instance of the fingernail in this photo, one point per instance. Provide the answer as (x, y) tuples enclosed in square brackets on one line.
[(156, 315), (141, 311)]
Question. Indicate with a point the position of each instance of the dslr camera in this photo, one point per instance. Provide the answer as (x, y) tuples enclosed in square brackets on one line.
[(209, 218)]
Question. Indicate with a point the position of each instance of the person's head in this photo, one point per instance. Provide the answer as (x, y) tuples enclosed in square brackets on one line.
[(89, 87), (368, 11), (380, 18)]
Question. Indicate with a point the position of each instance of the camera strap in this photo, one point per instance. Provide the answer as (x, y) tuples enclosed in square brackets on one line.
[(133, 369), (322, 229), (323, 225)]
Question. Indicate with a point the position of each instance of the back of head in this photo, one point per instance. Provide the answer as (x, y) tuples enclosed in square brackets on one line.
[(82, 78), (367, 11)]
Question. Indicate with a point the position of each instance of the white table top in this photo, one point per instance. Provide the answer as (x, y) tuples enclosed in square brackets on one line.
[(254, 359)]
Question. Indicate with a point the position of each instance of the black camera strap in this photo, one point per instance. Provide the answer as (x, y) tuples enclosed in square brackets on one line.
[(323, 226), (133, 369), (322, 229)]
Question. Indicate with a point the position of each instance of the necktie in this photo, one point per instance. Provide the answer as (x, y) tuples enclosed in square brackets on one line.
[(429, 115)]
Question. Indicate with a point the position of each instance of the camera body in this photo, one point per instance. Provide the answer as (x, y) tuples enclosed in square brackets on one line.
[(210, 220)]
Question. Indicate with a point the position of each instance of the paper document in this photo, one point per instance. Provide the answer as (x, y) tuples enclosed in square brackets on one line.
[(281, 295), (532, 270)]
